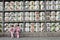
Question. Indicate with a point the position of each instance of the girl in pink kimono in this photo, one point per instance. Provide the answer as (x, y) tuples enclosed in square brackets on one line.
[(17, 30), (12, 30)]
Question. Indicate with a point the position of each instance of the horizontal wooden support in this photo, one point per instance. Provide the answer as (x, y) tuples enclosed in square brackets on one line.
[(34, 34)]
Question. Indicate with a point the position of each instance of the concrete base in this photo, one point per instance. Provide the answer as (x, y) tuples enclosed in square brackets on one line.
[(34, 34)]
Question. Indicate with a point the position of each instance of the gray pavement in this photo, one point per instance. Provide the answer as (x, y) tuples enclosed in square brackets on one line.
[(30, 38)]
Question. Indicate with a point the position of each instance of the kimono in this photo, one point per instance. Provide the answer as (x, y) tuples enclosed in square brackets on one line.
[(17, 30), (12, 30)]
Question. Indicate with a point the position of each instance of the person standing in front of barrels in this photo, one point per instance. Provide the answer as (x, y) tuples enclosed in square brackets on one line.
[(12, 30), (17, 31)]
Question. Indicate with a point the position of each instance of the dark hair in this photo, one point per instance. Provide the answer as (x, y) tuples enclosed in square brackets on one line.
[(12, 25), (18, 25)]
